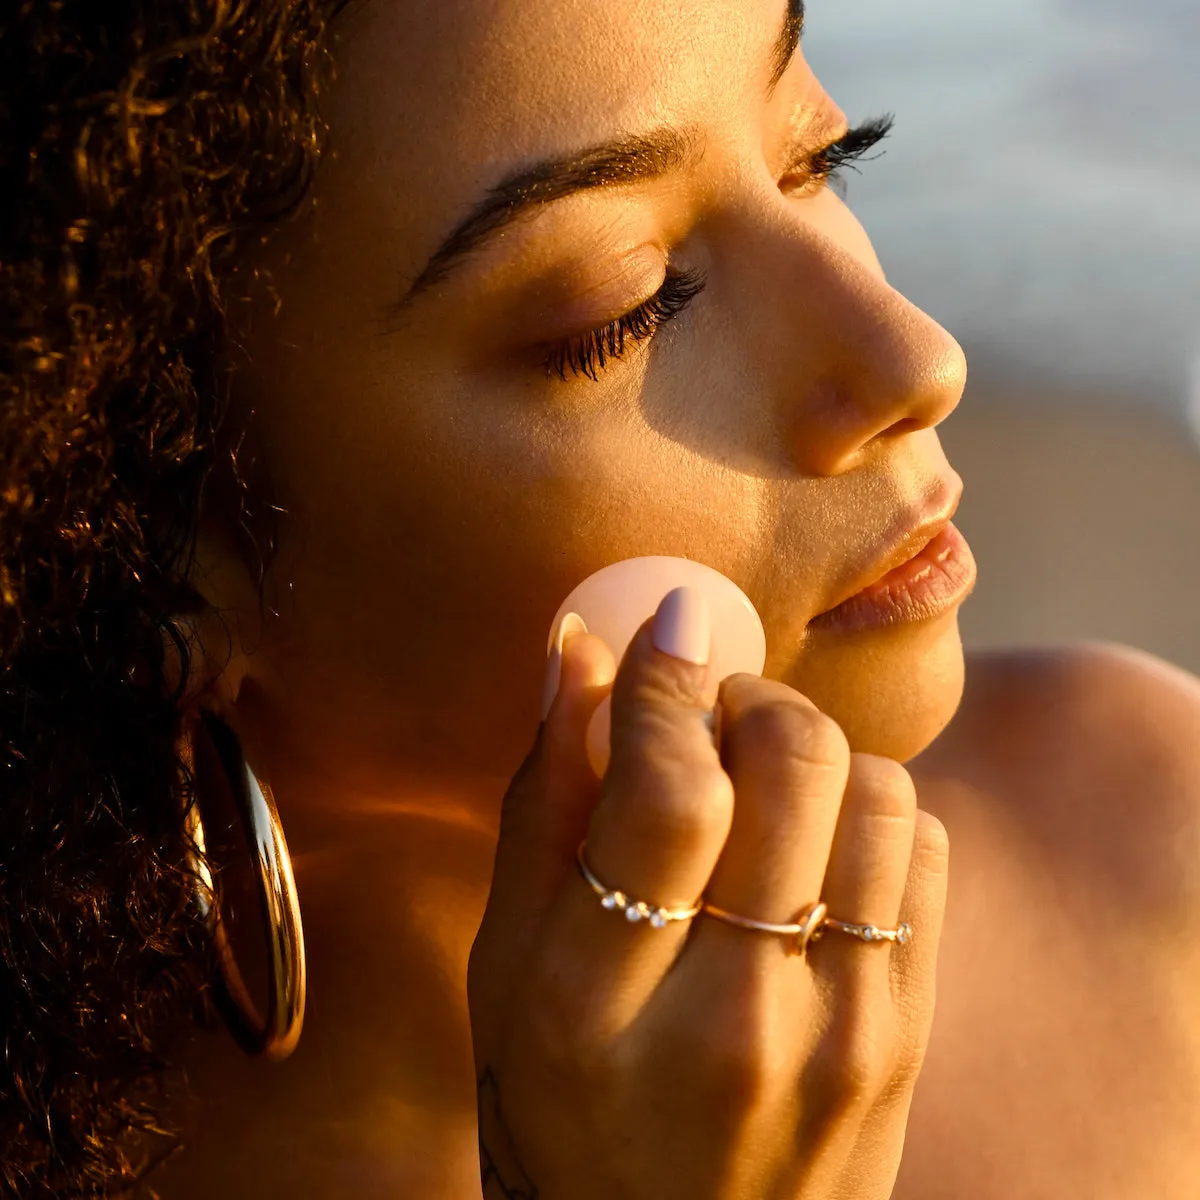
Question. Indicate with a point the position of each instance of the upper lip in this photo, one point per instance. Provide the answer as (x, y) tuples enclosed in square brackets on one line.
[(913, 530)]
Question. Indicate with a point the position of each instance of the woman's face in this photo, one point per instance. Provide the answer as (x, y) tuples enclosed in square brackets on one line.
[(444, 491)]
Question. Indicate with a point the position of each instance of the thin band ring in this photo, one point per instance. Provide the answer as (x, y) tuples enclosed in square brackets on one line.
[(635, 911), (868, 933), (810, 927), (799, 934)]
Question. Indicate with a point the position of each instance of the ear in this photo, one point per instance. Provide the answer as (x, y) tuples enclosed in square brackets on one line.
[(216, 635)]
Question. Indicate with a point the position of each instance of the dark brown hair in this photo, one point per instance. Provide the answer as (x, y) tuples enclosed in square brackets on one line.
[(144, 145)]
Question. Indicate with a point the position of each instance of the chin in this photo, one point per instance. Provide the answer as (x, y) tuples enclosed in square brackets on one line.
[(892, 690)]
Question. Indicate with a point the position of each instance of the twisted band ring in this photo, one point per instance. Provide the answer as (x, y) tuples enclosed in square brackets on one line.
[(801, 933)]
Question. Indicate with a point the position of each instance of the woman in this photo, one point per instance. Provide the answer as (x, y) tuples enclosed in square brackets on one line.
[(438, 428)]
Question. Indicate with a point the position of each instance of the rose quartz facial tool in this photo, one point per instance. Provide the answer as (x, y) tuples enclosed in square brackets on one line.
[(617, 599)]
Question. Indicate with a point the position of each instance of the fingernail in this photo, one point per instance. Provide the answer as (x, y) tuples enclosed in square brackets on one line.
[(682, 626), (571, 623)]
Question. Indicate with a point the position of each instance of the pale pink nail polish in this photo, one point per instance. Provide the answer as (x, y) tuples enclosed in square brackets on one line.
[(682, 627)]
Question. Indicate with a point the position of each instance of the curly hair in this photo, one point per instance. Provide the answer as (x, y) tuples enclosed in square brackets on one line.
[(144, 146)]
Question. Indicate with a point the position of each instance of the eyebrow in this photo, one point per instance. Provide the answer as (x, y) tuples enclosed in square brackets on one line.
[(635, 158)]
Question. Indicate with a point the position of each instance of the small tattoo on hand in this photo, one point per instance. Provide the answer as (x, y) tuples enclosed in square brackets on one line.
[(502, 1175)]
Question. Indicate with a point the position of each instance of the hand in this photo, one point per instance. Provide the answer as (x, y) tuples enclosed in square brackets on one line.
[(701, 1061)]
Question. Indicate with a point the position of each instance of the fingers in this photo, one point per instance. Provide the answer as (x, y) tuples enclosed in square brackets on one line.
[(913, 990), (550, 799), (868, 869), (914, 968), (664, 812), (811, 821), (542, 819), (880, 992), (789, 764), (569, 790)]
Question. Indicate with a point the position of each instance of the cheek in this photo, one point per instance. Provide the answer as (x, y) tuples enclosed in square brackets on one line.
[(571, 491)]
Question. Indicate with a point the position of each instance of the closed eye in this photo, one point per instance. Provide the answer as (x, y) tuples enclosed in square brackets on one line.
[(588, 354), (825, 164)]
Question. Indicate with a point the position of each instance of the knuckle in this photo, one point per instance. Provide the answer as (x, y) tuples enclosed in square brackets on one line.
[(929, 866), (744, 1062), (798, 735), (661, 699), (744, 1047), (859, 1081), (906, 1068), (933, 843), (741, 690), (690, 817), (650, 729), (678, 796), (862, 1061), (888, 787)]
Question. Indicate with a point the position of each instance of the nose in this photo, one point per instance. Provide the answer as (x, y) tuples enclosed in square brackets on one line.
[(851, 360)]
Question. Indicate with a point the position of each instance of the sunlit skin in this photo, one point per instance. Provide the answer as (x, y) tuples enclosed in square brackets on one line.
[(442, 495)]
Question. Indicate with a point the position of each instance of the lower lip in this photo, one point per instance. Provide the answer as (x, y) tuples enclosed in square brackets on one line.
[(929, 584)]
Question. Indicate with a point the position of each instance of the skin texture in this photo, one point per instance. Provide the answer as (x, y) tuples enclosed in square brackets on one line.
[(776, 431), (441, 496)]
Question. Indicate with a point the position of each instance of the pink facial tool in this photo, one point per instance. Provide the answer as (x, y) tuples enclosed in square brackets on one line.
[(617, 599)]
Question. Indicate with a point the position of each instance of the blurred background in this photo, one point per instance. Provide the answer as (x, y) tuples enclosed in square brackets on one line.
[(1040, 196)]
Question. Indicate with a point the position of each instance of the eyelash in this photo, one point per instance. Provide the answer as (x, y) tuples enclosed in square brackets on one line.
[(588, 354), (852, 147)]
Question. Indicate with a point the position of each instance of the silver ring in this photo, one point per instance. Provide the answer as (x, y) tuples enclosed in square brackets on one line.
[(635, 911)]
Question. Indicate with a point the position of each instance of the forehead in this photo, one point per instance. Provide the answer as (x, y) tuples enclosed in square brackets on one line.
[(471, 86), (436, 103)]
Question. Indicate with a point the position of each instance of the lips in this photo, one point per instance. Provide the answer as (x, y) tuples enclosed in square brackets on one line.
[(911, 533)]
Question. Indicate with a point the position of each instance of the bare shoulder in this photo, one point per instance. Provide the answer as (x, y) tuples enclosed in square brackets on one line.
[(1069, 783), (1088, 705), (1098, 746), (1074, 708), (1088, 689)]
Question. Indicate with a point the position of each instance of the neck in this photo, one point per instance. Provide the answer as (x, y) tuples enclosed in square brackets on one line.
[(392, 889)]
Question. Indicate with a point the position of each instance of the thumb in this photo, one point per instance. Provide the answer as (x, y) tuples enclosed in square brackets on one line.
[(547, 806), (586, 671)]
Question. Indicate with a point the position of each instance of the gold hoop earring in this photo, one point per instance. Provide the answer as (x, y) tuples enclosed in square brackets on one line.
[(274, 1036)]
